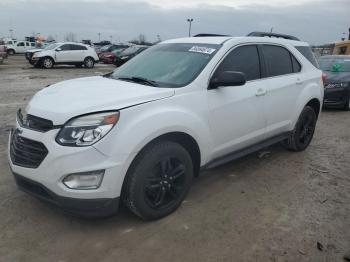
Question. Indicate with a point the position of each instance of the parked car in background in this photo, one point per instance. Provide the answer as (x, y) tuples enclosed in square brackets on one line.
[(337, 84), (20, 47), (65, 53), (110, 57), (142, 133), (128, 53), (10, 41), (110, 48), (3, 51), (100, 44)]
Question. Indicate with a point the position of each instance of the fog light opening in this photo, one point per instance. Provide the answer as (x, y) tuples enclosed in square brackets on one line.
[(84, 180)]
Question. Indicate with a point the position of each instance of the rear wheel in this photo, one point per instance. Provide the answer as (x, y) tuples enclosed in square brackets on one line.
[(158, 180), (47, 63), (89, 62), (304, 130), (347, 105)]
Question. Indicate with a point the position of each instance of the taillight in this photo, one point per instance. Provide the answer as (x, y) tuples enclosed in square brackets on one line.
[(324, 78)]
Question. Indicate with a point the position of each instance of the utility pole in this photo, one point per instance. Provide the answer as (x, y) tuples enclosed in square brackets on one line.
[(271, 29), (11, 33), (99, 37), (189, 20)]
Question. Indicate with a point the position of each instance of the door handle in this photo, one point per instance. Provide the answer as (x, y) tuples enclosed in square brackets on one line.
[(261, 92)]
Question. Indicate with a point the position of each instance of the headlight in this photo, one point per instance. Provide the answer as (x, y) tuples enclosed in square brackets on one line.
[(124, 57), (344, 84), (87, 130)]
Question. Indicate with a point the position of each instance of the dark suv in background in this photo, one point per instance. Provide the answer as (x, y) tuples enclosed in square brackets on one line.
[(337, 85)]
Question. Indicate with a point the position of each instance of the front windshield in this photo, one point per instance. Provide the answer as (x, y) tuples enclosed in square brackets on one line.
[(50, 47), (169, 65), (335, 64)]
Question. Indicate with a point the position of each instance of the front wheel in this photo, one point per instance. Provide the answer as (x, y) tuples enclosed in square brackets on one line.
[(304, 130), (158, 180), (47, 63), (89, 62)]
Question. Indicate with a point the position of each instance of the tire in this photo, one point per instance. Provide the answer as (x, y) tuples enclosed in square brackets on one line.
[(47, 63), (158, 180), (304, 130), (347, 105), (11, 52), (89, 62)]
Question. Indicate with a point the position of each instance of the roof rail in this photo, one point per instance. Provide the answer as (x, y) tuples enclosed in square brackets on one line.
[(208, 35), (263, 34)]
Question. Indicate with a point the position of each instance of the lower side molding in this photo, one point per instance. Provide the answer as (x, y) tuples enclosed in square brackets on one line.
[(246, 151)]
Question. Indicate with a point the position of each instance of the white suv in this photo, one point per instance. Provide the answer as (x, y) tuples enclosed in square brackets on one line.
[(65, 53), (19, 47), (142, 132)]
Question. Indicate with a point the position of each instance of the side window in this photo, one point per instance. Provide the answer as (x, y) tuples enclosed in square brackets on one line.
[(296, 65), (65, 47), (20, 44), (243, 59), (78, 47), (307, 53), (27, 44), (32, 44), (278, 60)]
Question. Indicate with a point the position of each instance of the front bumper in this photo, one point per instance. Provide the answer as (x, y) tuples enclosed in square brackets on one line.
[(336, 96), (100, 207), (61, 161)]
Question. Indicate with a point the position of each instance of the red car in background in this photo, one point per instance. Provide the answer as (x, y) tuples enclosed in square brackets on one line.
[(110, 57), (110, 48)]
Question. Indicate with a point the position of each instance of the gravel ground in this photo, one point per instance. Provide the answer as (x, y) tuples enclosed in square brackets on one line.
[(271, 208)]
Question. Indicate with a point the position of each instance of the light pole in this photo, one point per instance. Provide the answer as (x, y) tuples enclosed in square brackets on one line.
[(99, 37), (271, 29), (189, 20), (11, 33)]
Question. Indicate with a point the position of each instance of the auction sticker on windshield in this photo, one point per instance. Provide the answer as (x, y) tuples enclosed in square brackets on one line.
[(202, 49)]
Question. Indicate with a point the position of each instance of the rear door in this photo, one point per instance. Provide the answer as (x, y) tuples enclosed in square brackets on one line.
[(78, 53), (285, 83)]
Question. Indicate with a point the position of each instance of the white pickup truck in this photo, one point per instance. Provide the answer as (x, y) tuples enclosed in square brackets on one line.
[(19, 47)]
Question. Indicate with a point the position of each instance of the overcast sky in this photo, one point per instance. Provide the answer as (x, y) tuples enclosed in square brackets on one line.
[(315, 21)]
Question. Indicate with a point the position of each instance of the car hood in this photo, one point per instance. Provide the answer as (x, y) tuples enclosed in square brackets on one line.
[(34, 50), (67, 99), (337, 77)]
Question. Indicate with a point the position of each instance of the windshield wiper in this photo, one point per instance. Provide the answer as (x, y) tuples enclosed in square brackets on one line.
[(138, 79)]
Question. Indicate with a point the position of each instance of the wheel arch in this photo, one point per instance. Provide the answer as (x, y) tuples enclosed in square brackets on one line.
[(315, 104)]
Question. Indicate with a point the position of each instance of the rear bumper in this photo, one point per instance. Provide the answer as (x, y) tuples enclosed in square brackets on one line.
[(336, 96), (92, 208)]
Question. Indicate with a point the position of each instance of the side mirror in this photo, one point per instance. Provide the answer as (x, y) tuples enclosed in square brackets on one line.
[(227, 78), (58, 49)]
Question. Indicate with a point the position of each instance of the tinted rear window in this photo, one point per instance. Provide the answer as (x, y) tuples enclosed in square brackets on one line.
[(278, 60), (307, 52)]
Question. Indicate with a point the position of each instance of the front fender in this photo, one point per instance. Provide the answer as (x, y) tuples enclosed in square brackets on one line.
[(141, 124)]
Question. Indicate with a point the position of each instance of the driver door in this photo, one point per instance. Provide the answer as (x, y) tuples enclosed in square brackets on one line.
[(63, 54), (237, 113)]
